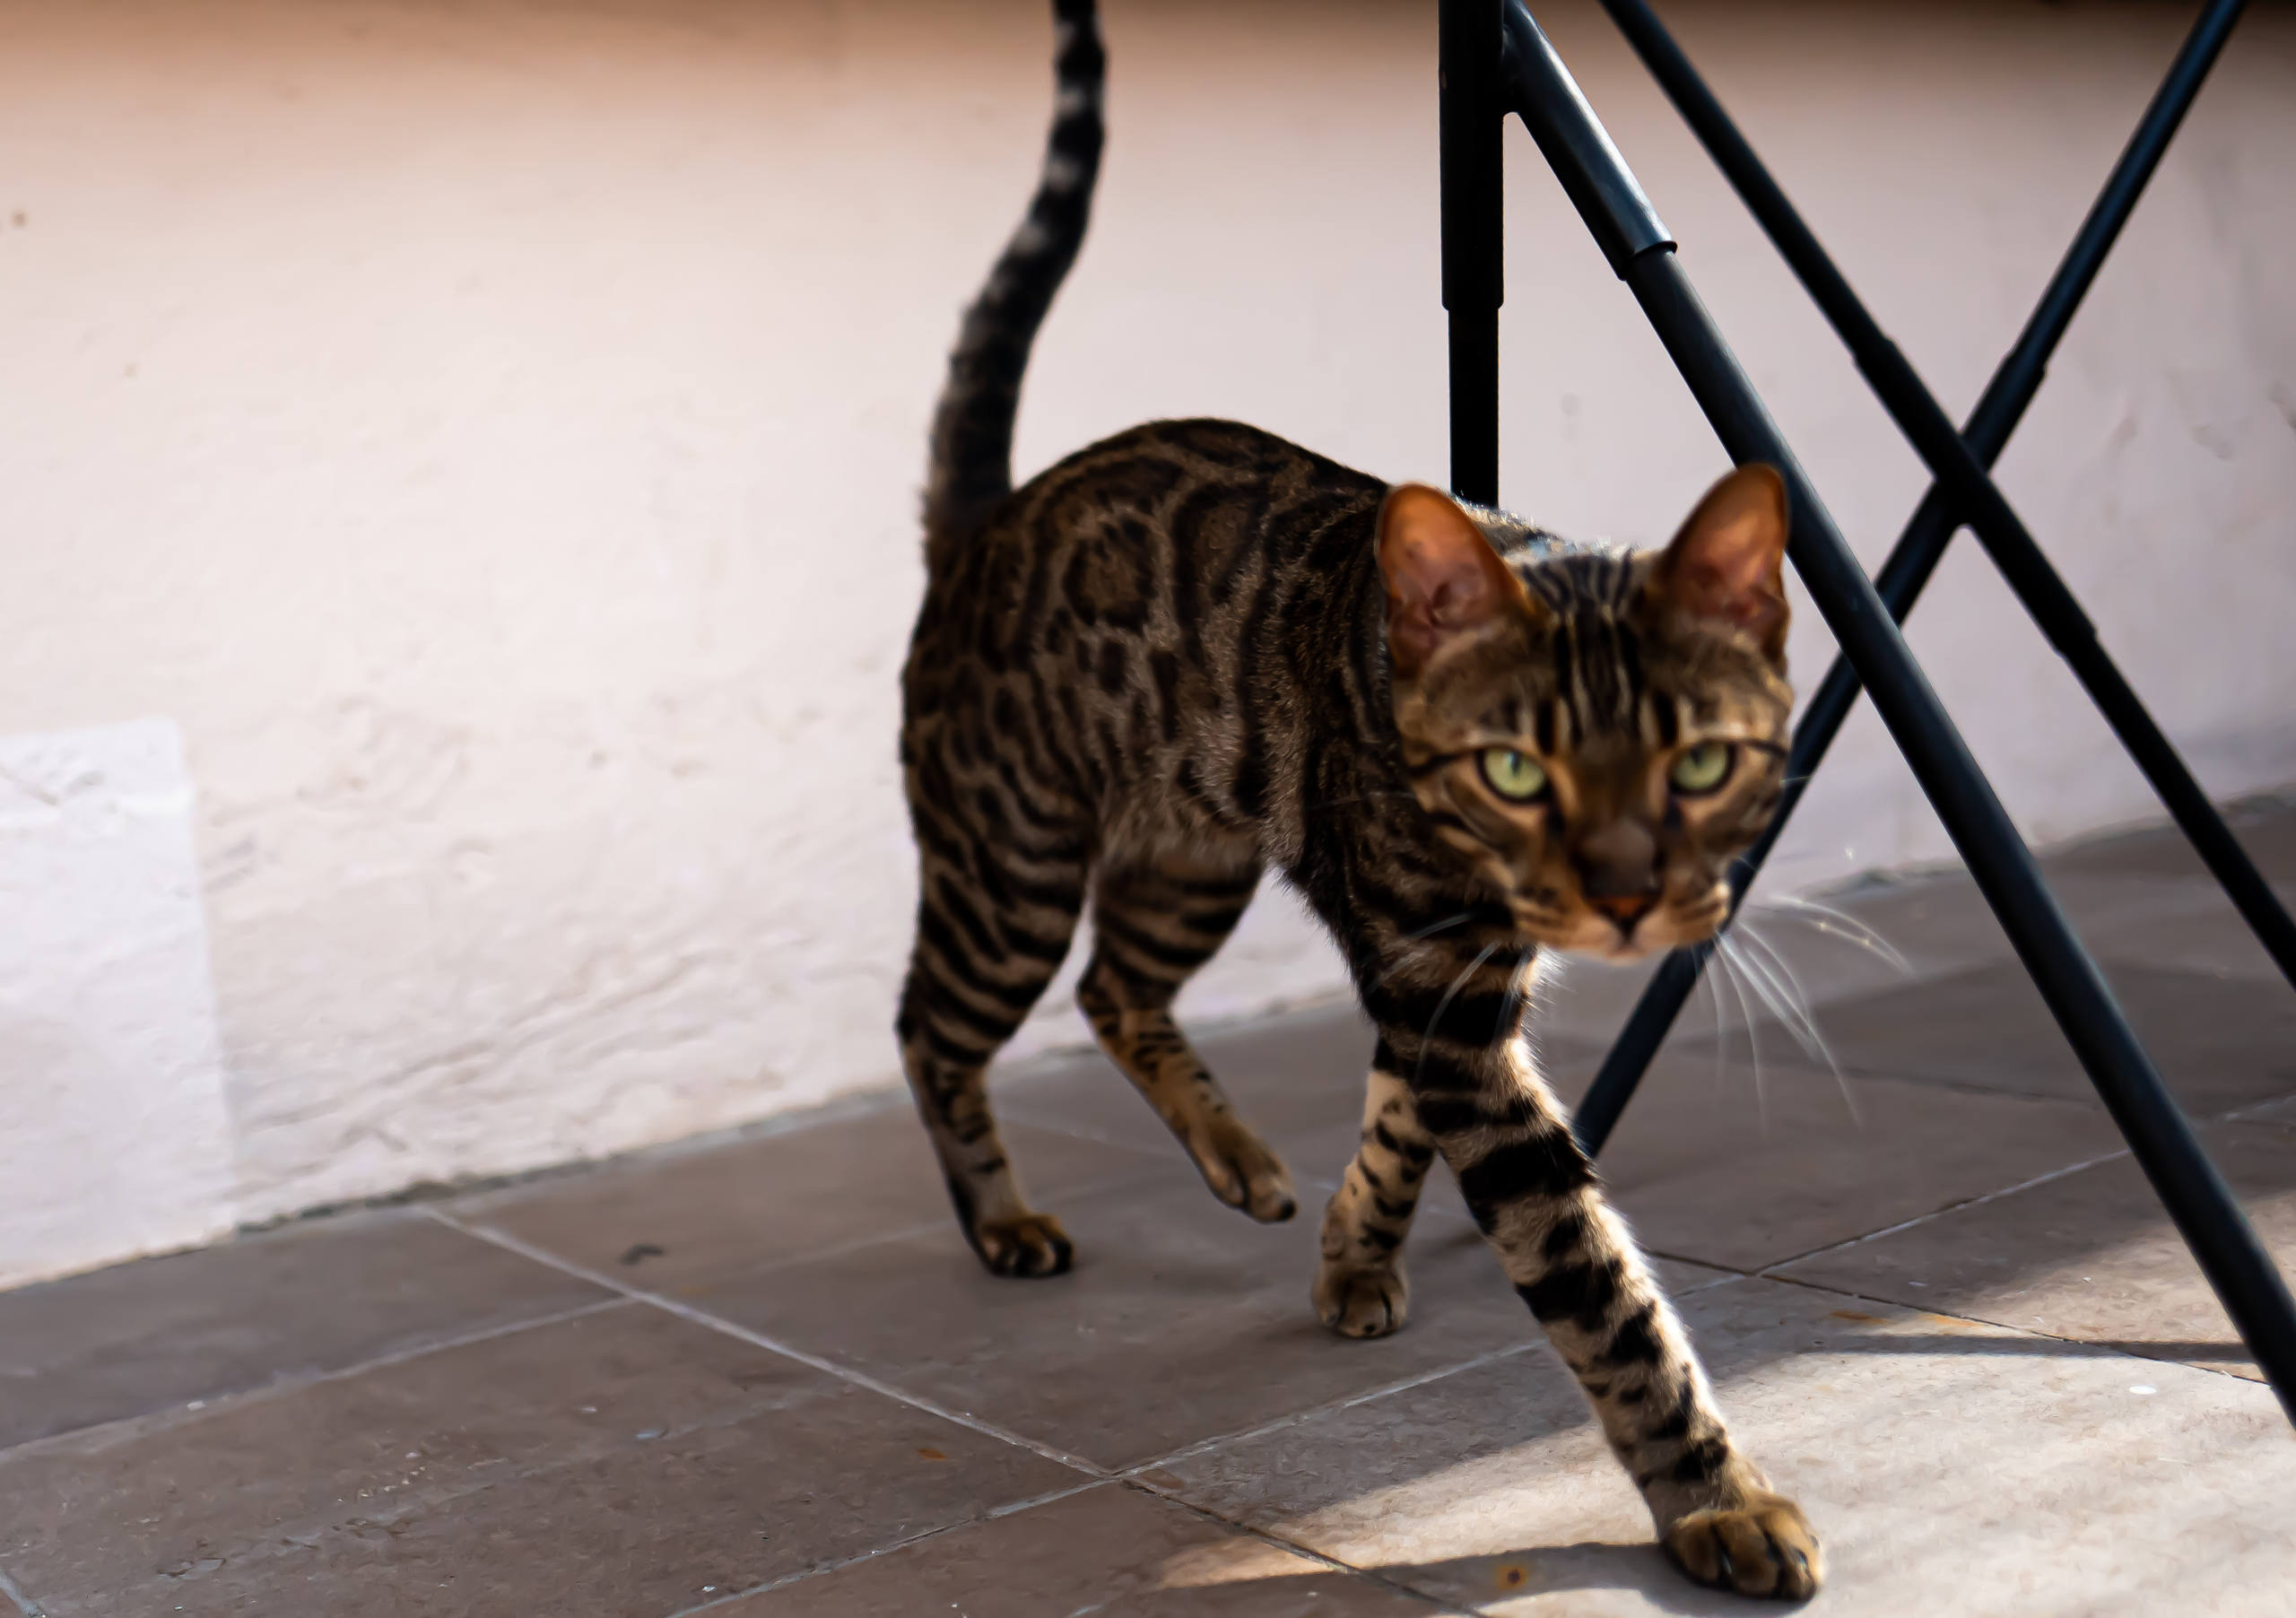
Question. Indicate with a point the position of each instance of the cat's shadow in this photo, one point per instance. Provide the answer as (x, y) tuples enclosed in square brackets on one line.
[(1639, 1573), (1590, 1566)]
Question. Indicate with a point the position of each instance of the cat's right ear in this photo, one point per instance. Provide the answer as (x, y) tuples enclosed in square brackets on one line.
[(1443, 579)]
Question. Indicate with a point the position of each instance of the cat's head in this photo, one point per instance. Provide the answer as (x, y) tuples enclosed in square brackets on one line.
[(1599, 732)]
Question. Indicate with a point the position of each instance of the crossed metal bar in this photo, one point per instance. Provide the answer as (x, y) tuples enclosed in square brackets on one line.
[(1495, 59)]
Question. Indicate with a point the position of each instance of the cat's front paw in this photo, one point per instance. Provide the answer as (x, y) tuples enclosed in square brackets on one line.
[(1033, 1245), (1764, 1547), (1363, 1302)]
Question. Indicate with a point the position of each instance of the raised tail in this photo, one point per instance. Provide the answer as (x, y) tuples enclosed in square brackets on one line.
[(971, 467)]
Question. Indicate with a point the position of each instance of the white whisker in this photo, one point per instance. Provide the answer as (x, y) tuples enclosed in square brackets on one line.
[(1841, 924), (1726, 953), (1426, 932), (1721, 1022), (1790, 1010), (1806, 1033), (1510, 1013), (1444, 1004), (1433, 927), (1758, 978)]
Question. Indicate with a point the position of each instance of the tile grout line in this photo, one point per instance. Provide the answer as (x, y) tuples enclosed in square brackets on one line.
[(756, 1339), (1095, 1477), (1128, 1478), (25, 1605), (1306, 1552), (843, 1249), (176, 1413), (1767, 1271), (1097, 1472), (910, 1233), (1129, 1475), (1025, 1114), (1329, 1407), (838, 1564), (1727, 1274), (2099, 1349), (2240, 1115)]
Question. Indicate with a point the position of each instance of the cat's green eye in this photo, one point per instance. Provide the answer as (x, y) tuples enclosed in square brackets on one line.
[(1512, 774), (1703, 768)]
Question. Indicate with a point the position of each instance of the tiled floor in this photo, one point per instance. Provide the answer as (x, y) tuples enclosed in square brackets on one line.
[(763, 1377)]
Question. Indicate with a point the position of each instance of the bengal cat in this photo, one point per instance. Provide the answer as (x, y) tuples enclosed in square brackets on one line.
[(1193, 651)]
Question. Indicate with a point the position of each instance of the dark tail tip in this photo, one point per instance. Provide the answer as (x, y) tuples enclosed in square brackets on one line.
[(972, 465)]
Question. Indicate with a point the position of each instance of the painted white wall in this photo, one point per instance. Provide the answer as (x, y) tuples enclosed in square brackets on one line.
[(114, 1136), (490, 435)]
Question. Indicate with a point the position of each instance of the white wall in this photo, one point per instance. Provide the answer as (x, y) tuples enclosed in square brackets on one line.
[(114, 1136), (489, 434)]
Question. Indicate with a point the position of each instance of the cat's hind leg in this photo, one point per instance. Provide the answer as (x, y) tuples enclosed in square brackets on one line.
[(996, 911), (1155, 920)]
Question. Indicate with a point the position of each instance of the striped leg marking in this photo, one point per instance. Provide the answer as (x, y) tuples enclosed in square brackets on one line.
[(991, 930), (1361, 1290), (1154, 927)]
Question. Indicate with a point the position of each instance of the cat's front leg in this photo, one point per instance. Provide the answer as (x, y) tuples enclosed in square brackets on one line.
[(1534, 1195)]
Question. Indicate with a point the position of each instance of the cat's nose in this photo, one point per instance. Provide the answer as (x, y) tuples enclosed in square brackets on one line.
[(1625, 908), (1618, 871)]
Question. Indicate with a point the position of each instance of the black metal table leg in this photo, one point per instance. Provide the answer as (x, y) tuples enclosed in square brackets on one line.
[(1957, 464), (1915, 555), (1473, 270), (1542, 91)]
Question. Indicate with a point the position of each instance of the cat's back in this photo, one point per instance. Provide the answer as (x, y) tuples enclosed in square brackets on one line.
[(1160, 529)]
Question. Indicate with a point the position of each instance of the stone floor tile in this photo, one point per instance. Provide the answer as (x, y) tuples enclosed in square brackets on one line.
[(673, 1219), (1740, 1175), (2265, 826), (1950, 1469), (1111, 1551), (1941, 923), (2220, 1042), (2091, 1255), (2281, 1112), (305, 1299), (2189, 926), (1183, 1320), (624, 1462), (2185, 922)]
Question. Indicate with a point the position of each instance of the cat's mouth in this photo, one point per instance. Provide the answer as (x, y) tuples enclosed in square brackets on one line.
[(1622, 935), (1593, 937)]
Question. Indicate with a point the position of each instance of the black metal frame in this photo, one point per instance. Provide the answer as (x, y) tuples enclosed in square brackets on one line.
[(1496, 59)]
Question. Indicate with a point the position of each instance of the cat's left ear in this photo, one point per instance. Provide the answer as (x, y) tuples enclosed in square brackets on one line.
[(1727, 564), (1444, 580)]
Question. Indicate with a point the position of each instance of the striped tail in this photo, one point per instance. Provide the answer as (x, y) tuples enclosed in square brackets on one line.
[(971, 467)]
